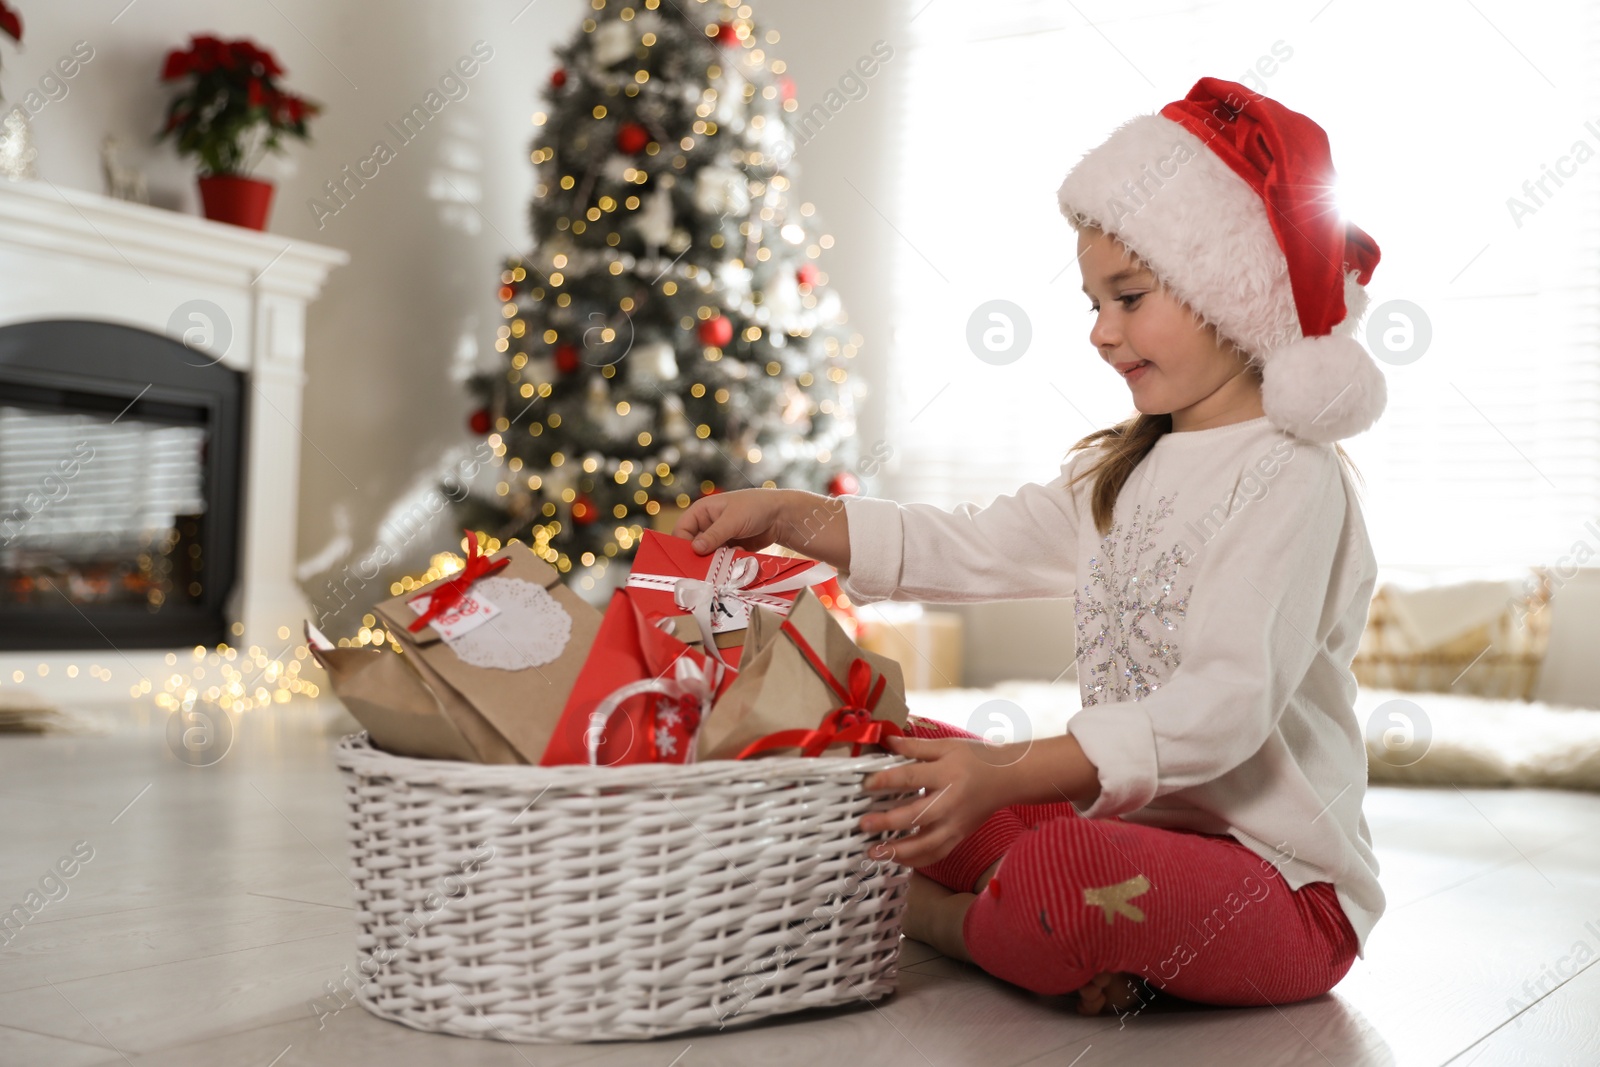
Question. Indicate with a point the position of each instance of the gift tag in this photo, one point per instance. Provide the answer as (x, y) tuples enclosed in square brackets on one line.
[(528, 627), (470, 612), (729, 613)]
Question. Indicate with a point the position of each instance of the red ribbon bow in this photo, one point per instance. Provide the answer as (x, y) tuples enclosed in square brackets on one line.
[(851, 722), (448, 595)]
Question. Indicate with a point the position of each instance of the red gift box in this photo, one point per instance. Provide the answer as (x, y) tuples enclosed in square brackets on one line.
[(670, 578), (651, 692)]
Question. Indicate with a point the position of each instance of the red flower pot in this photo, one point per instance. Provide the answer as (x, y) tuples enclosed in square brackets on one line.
[(240, 201)]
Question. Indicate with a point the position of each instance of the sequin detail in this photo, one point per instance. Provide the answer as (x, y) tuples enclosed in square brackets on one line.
[(1127, 617)]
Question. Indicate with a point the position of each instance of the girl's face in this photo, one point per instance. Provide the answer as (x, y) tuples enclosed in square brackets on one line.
[(1173, 363)]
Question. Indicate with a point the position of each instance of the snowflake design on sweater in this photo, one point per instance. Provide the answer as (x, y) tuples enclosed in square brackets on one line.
[(1127, 615)]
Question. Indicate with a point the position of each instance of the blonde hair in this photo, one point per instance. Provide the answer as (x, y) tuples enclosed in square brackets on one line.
[(1125, 445)]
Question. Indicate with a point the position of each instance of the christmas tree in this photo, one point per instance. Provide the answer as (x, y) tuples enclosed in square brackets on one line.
[(671, 334)]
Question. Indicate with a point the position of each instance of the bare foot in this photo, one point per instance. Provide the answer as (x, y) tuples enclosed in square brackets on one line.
[(934, 916), (1117, 991)]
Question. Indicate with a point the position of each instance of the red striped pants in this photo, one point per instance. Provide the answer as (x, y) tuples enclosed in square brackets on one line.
[(1198, 915)]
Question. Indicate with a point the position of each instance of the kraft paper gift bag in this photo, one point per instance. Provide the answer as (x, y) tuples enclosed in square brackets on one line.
[(779, 688), (507, 638), (398, 710)]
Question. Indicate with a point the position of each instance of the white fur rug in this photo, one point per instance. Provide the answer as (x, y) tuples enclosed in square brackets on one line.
[(1472, 740)]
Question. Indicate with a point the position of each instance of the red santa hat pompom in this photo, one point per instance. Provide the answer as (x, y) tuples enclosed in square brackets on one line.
[(1228, 196)]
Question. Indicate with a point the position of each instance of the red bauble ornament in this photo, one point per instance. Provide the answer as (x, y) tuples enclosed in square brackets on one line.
[(716, 331), (559, 78), (845, 483), (566, 357), (583, 511), (479, 421), (632, 138), (727, 33), (806, 273)]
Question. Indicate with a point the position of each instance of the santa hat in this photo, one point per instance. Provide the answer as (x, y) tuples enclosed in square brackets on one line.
[(1227, 196)]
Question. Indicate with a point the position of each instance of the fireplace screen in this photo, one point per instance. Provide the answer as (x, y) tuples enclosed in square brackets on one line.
[(119, 457), (107, 510)]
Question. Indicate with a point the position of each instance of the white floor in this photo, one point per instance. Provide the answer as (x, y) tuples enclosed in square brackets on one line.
[(214, 909)]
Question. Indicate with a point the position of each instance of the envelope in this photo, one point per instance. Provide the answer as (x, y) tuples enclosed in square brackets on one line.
[(647, 726), (721, 601)]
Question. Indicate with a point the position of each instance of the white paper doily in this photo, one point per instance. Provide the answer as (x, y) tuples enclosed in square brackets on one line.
[(531, 630)]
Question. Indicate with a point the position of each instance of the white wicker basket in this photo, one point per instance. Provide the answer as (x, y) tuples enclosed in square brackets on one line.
[(582, 903)]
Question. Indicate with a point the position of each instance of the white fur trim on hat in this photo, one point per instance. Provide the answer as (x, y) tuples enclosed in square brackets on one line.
[(1159, 190), (1195, 222)]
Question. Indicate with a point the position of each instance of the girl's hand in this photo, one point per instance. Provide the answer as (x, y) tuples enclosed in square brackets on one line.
[(750, 519), (963, 789)]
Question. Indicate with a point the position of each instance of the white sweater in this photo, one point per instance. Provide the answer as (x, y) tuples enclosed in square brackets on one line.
[(1240, 554)]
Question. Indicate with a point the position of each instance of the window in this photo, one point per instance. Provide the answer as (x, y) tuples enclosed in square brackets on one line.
[(1489, 452)]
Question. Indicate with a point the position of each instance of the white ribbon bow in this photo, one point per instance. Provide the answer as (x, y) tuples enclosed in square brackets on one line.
[(721, 601), (688, 679)]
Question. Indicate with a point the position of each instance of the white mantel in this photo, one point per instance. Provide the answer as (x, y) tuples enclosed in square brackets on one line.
[(69, 254)]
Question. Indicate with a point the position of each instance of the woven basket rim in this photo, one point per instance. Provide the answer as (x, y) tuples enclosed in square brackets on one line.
[(356, 753)]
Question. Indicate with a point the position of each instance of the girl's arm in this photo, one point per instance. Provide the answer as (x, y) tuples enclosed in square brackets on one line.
[(1022, 545)]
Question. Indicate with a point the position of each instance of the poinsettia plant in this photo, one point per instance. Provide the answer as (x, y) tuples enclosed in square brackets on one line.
[(232, 112), (10, 23)]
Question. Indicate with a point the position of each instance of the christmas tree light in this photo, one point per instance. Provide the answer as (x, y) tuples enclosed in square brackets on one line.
[(672, 334)]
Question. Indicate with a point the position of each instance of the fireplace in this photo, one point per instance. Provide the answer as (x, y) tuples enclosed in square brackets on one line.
[(151, 371), (120, 466)]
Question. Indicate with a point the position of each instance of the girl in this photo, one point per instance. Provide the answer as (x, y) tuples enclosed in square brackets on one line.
[(1198, 829)]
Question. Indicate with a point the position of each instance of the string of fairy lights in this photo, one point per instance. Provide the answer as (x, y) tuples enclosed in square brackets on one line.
[(243, 679), (234, 679)]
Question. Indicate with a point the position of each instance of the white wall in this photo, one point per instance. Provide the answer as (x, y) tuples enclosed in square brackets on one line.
[(382, 405)]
